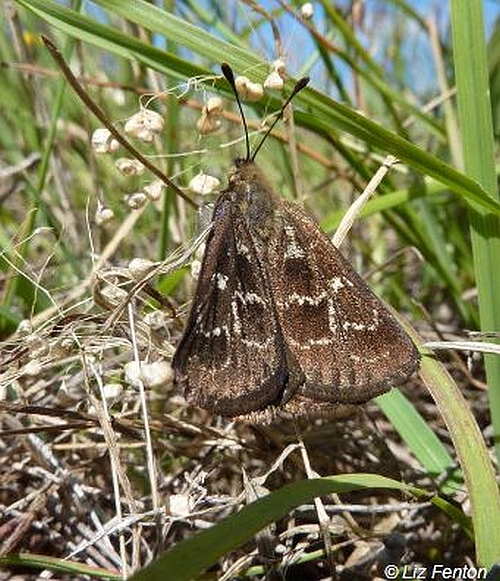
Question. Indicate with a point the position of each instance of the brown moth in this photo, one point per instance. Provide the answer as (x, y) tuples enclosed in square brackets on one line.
[(280, 322)]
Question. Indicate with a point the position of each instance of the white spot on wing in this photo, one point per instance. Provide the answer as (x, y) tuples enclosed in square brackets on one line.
[(336, 284), (303, 299), (221, 280), (236, 318), (362, 326), (249, 298), (242, 248), (292, 250)]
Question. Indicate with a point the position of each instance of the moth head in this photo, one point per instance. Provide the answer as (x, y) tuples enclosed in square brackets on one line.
[(242, 171)]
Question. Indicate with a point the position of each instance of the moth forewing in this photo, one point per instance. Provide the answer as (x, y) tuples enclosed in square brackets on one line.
[(350, 347), (232, 358)]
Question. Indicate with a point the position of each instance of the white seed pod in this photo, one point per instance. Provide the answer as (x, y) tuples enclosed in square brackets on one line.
[(103, 215), (203, 184), (153, 190), (241, 84), (25, 327), (140, 267), (207, 124), (279, 66), (154, 121), (112, 295), (144, 125), (195, 269), (112, 392), (67, 344), (132, 373), (157, 319), (255, 92), (214, 106), (145, 135), (136, 200), (155, 374), (102, 141), (247, 90), (180, 505), (129, 167), (307, 10), (274, 81), (32, 368)]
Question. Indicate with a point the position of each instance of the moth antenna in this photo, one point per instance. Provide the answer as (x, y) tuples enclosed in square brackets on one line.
[(227, 71), (299, 85)]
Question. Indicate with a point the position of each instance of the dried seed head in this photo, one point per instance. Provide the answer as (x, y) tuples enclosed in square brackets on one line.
[(144, 125), (274, 81), (136, 200), (153, 190), (140, 267), (307, 10), (129, 167), (276, 78), (279, 66), (155, 374), (209, 121), (25, 327), (203, 184), (112, 392), (32, 368), (103, 141), (110, 295), (248, 90), (180, 505), (103, 215), (214, 106), (207, 124)]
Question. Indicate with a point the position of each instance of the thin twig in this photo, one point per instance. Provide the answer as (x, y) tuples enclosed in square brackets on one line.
[(99, 113), (357, 206), (323, 518)]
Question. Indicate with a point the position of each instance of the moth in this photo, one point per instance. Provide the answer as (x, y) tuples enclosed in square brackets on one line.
[(280, 323)]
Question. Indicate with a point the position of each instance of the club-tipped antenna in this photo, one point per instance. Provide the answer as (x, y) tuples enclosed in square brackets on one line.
[(299, 85), (228, 73)]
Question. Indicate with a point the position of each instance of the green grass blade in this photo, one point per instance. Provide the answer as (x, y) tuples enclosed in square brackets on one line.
[(478, 151), (189, 558), (473, 456), (42, 562), (420, 438), (328, 113), (111, 39)]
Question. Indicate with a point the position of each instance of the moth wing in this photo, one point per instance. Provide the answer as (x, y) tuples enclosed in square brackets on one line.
[(348, 344), (232, 358)]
